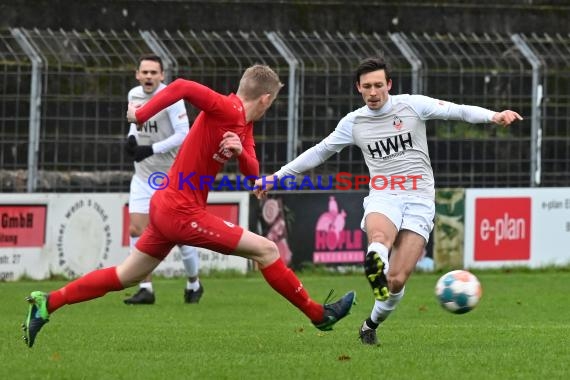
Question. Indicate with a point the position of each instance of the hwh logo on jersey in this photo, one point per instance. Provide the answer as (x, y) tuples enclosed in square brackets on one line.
[(149, 127), (391, 145)]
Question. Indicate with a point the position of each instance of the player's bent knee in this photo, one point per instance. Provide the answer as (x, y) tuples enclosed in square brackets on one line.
[(396, 283), (380, 237), (266, 252), (136, 267)]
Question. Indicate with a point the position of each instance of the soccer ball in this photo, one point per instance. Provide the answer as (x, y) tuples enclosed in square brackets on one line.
[(458, 291)]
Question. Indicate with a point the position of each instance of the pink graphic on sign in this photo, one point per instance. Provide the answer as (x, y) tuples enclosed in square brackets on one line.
[(334, 243)]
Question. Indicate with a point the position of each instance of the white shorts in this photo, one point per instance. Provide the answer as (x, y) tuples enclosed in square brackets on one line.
[(139, 197), (407, 212)]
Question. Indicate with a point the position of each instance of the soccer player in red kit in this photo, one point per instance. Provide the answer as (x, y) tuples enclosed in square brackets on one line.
[(222, 130)]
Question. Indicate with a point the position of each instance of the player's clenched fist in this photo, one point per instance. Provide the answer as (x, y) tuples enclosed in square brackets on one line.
[(231, 141)]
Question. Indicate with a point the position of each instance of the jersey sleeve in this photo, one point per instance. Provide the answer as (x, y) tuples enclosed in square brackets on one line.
[(130, 95), (430, 108), (195, 93), (132, 126), (340, 138), (248, 163), (179, 121)]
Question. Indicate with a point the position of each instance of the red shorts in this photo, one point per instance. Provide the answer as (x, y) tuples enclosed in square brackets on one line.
[(197, 228)]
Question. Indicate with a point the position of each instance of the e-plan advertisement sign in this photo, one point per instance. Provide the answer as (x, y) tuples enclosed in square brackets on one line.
[(517, 227)]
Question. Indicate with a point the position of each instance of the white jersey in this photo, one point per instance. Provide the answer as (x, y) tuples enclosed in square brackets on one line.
[(392, 140), (165, 131)]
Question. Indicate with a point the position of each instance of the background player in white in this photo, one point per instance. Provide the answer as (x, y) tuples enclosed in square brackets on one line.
[(399, 210), (153, 149)]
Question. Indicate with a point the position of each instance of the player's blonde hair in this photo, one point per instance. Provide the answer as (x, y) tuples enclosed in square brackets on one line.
[(259, 80)]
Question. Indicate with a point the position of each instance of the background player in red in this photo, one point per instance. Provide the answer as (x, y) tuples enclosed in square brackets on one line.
[(222, 130)]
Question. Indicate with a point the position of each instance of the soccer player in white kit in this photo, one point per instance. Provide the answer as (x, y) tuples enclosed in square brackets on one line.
[(153, 149), (399, 211)]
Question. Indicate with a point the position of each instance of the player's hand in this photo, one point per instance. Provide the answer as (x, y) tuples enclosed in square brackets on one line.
[(131, 110), (232, 142), (506, 117), (137, 152), (263, 185)]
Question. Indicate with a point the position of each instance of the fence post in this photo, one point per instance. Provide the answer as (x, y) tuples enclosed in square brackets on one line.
[(35, 107), (293, 89), (408, 52), (536, 128)]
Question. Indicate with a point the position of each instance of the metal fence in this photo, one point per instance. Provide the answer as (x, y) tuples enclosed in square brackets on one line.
[(63, 100)]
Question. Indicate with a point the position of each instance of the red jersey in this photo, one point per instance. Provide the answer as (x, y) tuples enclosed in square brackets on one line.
[(200, 157)]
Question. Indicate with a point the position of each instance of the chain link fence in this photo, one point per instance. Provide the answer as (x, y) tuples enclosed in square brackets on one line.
[(63, 100)]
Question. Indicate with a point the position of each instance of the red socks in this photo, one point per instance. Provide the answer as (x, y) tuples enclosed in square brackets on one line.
[(93, 285), (284, 281), (102, 281)]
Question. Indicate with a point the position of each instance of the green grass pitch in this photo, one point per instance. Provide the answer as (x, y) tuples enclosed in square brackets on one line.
[(243, 330)]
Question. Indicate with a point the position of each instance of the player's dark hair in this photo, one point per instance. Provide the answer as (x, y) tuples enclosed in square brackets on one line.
[(371, 64), (150, 57)]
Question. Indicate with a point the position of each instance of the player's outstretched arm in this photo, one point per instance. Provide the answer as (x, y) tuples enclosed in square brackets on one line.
[(197, 94)]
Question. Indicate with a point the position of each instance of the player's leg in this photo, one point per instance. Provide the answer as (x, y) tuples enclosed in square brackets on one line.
[(98, 283), (136, 267), (381, 221), (145, 293), (211, 232), (194, 288), (265, 253), (417, 222), (139, 204), (90, 286), (285, 282), (406, 252), (408, 249), (381, 233)]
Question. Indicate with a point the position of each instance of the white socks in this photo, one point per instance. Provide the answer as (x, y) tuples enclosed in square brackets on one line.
[(191, 264), (190, 260), (382, 309), (193, 285), (147, 286)]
